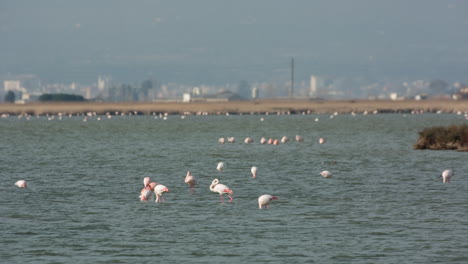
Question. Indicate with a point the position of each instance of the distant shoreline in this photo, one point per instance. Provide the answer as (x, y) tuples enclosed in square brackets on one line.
[(240, 107)]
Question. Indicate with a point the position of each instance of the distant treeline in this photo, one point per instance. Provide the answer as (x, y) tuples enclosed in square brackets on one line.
[(61, 98), (443, 138)]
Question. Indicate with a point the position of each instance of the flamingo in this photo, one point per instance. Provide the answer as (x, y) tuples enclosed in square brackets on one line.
[(248, 140), (190, 180), (446, 175), (254, 171), (284, 139), (159, 190), (220, 166), (265, 200), (270, 141), (221, 140), (21, 184), (263, 140), (221, 189), (322, 140), (299, 139), (231, 140), (326, 174), (276, 142), (145, 193)]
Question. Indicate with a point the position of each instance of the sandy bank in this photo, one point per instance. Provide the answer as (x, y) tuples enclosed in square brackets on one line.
[(260, 106)]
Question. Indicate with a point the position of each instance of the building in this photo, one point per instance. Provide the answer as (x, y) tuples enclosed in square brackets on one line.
[(12, 86), (313, 86)]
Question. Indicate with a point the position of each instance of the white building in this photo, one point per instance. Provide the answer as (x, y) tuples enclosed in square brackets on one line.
[(313, 86), (12, 86)]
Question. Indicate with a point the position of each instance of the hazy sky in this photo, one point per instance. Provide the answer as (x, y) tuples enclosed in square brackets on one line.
[(221, 41)]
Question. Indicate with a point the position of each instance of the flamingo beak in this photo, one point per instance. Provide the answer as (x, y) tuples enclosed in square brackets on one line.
[(274, 198), (166, 190)]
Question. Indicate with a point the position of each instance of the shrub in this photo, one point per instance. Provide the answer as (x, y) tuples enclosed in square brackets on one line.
[(61, 98), (443, 138)]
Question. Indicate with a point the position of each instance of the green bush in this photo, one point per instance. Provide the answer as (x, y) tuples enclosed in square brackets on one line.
[(443, 138)]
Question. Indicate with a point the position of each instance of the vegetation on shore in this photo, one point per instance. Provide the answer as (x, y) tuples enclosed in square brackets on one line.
[(443, 138), (60, 97)]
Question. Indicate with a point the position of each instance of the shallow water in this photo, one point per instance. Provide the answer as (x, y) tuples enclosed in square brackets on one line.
[(384, 204)]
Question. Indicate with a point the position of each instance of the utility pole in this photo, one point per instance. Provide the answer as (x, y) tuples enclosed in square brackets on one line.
[(291, 89)]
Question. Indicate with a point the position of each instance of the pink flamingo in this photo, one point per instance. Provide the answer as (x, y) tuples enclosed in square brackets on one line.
[(159, 190), (145, 193), (446, 175), (263, 140), (231, 140), (265, 200), (190, 180), (322, 140), (276, 142), (270, 141), (254, 171), (221, 189), (248, 140), (21, 184), (284, 139), (221, 140)]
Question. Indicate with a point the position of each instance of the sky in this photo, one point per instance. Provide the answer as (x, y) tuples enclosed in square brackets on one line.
[(224, 41)]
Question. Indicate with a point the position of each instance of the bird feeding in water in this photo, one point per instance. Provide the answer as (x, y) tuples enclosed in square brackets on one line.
[(21, 184), (446, 176), (220, 166), (253, 170), (159, 190), (265, 200), (326, 174)]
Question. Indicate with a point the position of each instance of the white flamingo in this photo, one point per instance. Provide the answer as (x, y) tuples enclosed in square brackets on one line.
[(253, 170), (446, 175), (265, 200), (159, 190), (21, 184), (220, 166), (326, 174), (221, 189)]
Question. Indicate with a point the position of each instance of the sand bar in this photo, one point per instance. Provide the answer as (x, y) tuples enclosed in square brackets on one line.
[(244, 107)]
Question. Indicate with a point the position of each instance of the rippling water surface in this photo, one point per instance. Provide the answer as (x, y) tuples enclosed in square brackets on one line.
[(385, 203)]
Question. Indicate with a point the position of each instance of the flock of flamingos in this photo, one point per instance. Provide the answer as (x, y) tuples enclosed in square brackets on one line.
[(263, 201), (217, 187)]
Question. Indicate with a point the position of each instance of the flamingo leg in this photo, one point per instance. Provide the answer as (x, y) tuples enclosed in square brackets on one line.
[(222, 198), (230, 198)]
